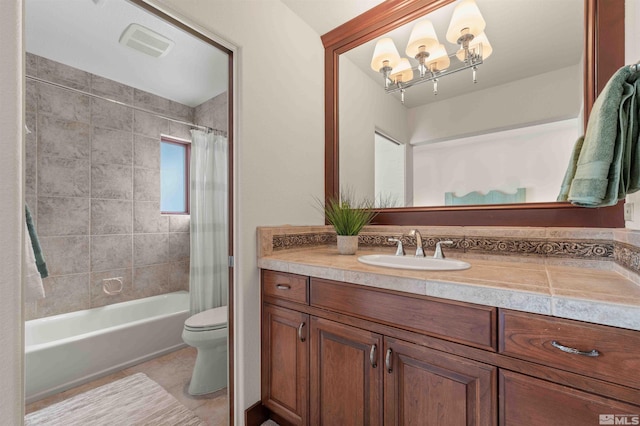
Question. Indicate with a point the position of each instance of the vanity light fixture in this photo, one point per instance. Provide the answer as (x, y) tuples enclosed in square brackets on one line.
[(466, 29)]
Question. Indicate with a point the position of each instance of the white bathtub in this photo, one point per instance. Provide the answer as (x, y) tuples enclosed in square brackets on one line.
[(66, 350)]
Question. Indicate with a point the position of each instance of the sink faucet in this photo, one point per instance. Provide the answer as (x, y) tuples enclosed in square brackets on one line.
[(439, 254), (419, 250)]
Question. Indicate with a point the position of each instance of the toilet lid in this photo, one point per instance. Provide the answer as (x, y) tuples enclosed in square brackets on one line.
[(216, 317)]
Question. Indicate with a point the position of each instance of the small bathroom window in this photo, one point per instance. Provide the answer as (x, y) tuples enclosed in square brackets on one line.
[(174, 176)]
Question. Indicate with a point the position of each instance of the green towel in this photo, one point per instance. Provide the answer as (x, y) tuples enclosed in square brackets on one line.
[(604, 165), (37, 250)]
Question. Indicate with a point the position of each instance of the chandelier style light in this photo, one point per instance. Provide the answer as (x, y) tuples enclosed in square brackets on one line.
[(466, 29)]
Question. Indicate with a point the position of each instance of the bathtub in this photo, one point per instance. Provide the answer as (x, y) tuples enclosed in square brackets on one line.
[(66, 350)]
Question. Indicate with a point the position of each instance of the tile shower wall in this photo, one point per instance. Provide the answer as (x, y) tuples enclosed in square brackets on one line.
[(93, 185)]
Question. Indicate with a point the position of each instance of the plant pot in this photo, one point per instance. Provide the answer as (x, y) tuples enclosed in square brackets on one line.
[(347, 244)]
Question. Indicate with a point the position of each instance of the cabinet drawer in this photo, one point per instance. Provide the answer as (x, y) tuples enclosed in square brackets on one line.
[(456, 321), (285, 286), (525, 401), (550, 341)]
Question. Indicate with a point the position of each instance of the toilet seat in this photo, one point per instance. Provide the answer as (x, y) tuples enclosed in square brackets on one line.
[(211, 319)]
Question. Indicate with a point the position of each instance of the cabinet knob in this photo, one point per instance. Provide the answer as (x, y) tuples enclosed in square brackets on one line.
[(387, 360), (283, 286), (592, 352), (373, 355), (300, 330)]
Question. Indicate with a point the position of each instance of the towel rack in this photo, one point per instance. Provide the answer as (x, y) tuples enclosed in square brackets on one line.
[(635, 67)]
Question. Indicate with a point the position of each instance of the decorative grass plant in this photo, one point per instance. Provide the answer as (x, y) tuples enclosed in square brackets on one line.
[(347, 215)]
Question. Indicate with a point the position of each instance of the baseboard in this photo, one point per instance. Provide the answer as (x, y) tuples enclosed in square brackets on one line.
[(256, 414)]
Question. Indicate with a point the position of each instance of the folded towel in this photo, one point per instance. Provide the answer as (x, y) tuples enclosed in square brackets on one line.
[(33, 289), (604, 165), (35, 243)]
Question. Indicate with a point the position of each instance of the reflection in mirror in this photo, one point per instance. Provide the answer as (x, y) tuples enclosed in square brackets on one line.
[(514, 128), (106, 81)]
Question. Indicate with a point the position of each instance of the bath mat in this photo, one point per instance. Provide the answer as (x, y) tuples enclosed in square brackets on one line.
[(134, 400)]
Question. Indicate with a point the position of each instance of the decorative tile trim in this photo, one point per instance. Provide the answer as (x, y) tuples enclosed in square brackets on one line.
[(627, 256), (290, 241), (579, 249)]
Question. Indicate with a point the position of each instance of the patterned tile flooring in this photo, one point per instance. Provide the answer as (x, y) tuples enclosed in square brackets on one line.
[(171, 371)]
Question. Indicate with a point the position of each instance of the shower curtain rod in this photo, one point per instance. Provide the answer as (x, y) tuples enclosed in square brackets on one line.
[(148, 111)]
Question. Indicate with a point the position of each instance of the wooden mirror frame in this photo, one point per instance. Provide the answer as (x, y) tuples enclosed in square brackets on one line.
[(604, 54)]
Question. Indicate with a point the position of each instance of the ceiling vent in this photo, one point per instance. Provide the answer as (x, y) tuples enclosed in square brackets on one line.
[(146, 41)]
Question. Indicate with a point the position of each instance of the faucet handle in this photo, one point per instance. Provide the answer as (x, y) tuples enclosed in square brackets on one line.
[(400, 249), (439, 254)]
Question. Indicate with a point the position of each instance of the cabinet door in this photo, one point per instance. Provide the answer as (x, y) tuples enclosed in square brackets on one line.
[(426, 387), (285, 363), (526, 401), (346, 375)]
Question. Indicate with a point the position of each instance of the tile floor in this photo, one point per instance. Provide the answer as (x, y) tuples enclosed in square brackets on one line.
[(171, 371)]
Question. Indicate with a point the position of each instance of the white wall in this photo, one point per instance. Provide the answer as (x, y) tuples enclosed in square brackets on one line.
[(534, 158), (11, 212), (279, 145), (552, 96), (364, 108), (632, 55)]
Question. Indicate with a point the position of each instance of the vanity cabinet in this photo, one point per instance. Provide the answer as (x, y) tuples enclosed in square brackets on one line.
[(338, 353)]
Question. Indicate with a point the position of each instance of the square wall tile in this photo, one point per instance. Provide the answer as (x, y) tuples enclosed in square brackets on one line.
[(150, 249), (31, 64), (63, 103), (66, 255), (31, 96), (63, 177), (58, 216), (63, 138), (179, 276), (150, 101), (66, 293), (110, 252), (146, 152), (111, 89), (179, 246), (146, 184), (111, 217), (149, 125), (57, 72), (147, 218), (180, 131), (180, 111), (100, 298), (31, 157), (112, 147), (151, 280), (111, 116), (179, 223), (111, 181)]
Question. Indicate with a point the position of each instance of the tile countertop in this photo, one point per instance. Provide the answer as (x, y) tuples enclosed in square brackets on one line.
[(593, 295)]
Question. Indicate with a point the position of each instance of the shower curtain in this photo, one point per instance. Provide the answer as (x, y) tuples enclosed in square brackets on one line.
[(209, 271)]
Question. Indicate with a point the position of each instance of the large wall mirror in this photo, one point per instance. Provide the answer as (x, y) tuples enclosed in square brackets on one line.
[(487, 153)]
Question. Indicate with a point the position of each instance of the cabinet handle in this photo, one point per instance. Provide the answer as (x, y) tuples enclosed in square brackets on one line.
[(283, 286), (372, 355), (300, 328), (387, 360), (592, 352)]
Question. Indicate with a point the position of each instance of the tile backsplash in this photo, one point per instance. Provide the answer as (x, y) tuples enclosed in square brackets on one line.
[(93, 186)]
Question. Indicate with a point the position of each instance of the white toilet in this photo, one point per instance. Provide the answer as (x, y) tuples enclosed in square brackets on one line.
[(207, 332)]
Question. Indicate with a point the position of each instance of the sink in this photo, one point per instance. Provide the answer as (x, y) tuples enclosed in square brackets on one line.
[(412, 262)]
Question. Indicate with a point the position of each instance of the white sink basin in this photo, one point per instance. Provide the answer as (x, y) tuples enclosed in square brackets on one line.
[(412, 262)]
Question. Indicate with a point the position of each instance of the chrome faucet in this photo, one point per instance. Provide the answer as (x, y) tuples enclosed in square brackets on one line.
[(439, 254), (400, 249), (419, 250)]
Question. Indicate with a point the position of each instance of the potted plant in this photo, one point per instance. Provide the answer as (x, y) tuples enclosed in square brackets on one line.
[(348, 217)]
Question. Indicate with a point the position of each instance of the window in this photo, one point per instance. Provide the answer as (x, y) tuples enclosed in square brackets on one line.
[(174, 176)]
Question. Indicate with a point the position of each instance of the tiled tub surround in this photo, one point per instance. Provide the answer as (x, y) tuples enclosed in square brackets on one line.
[(93, 185), (572, 273)]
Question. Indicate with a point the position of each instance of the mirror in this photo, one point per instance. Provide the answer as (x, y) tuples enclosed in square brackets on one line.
[(358, 108)]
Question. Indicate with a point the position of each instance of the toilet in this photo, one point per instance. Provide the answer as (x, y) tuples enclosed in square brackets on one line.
[(207, 332)]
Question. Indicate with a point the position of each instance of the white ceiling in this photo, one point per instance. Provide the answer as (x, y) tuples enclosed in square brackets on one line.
[(85, 33), (529, 37)]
